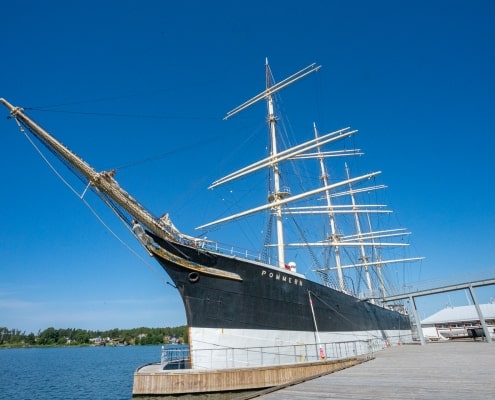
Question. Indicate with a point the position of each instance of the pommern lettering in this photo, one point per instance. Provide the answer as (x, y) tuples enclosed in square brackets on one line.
[(281, 277)]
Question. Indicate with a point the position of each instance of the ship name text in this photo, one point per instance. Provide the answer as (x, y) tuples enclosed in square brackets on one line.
[(281, 277)]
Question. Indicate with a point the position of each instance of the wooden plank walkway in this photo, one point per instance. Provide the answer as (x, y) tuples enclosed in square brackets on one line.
[(451, 370)]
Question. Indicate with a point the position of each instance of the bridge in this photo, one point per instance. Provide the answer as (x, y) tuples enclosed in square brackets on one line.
[(450, 288)]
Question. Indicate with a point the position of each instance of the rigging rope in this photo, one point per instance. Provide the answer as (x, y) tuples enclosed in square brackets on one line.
[(93, 211), (162, 155), (342, 315)]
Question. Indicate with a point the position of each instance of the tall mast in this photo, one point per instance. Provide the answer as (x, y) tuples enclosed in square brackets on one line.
[(334, 237), (276, 198), (364, 259), (377, 257), (277, 194), (102, 181)]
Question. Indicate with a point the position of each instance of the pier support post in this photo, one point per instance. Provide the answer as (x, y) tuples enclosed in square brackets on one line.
[(480, 315), (418, 321)]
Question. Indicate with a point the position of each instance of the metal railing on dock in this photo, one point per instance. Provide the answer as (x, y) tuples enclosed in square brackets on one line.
[(216, 358)]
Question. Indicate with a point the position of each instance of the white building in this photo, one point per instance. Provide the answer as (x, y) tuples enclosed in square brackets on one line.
[(454, 322)]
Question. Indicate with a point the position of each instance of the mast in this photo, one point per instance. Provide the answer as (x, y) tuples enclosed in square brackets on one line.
[(334, 237), (277, 193), (277, 198), (364, 259), (377, 257), (101, 181)]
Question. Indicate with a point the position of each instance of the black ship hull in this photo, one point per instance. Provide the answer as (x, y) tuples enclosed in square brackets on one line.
[(272, 304)]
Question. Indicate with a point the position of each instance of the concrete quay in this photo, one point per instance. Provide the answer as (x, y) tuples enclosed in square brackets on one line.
[(438, 371)]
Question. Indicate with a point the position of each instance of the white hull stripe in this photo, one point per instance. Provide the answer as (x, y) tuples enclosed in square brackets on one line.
[(213, 348)]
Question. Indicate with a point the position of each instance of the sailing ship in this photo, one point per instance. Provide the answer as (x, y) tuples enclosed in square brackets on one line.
[(252, 300)]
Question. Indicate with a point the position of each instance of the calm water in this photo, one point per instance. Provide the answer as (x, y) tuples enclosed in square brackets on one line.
[(96, 373)]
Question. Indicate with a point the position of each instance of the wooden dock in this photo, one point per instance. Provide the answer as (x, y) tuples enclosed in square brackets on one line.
[(152, 380), (450, 370)]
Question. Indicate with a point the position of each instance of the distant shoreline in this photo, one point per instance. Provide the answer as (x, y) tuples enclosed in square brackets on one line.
[(70, 337)]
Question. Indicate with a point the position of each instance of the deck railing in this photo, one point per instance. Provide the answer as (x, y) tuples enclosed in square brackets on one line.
[(232, 251)]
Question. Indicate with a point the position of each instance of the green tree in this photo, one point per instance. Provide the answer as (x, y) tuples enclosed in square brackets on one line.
[(81, 336), (49, 336), (30, 339)]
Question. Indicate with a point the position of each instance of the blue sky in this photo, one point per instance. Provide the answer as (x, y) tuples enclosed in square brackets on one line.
[(124, 81)]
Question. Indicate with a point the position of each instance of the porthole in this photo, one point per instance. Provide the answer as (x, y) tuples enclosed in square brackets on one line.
[(193, 277)]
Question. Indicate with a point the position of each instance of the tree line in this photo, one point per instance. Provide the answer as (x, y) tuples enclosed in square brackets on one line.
[(78, 337)]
